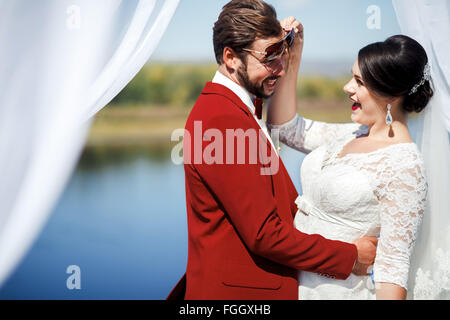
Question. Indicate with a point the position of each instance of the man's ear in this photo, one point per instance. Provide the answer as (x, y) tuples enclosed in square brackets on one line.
[(230, 58)]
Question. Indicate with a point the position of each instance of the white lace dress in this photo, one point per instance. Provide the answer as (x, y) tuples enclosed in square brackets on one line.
[(380, 193)]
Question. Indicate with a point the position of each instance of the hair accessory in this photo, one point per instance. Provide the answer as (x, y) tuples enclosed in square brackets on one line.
[(426, 77)]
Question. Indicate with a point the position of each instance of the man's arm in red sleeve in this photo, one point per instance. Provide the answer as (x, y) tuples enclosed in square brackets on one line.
[(247, 198)]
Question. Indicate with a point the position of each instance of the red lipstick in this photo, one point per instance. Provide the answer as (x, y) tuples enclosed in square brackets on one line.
[(356, 106)]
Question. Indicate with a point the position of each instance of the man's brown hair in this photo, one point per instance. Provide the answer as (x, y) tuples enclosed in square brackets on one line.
[(240, 23)]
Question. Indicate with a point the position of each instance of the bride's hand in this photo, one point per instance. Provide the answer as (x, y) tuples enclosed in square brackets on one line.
[(295, 51)]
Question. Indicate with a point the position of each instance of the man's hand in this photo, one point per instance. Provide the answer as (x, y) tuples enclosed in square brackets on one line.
[(367, 249), (295, 52)]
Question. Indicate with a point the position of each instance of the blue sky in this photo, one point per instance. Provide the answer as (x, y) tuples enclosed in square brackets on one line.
[(334, 30)]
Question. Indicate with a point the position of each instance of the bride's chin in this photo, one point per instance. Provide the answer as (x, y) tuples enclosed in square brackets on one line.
[(357, 120)]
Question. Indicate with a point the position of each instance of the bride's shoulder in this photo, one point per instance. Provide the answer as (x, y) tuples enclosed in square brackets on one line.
[(402, 165), (405, 155), (405, 150)]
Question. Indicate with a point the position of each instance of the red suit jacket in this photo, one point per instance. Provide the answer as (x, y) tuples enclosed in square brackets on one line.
[(242, 243)]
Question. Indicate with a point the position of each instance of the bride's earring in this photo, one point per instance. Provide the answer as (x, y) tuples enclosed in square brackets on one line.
[(389, 115)]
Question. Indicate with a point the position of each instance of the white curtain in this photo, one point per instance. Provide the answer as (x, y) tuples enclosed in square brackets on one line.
[(60, 63), (428, 22)]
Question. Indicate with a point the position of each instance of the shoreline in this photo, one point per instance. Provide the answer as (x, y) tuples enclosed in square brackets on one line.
[(152, 126)]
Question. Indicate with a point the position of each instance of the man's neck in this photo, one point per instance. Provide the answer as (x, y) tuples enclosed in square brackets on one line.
[(239, 90), (232, 76)]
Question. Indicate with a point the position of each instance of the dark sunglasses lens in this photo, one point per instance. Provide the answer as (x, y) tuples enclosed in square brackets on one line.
[(274, 51)]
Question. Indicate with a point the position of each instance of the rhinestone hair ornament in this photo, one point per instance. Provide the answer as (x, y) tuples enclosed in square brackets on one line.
[(426, 77)]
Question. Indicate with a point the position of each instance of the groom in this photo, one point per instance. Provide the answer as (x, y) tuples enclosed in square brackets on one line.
[(242, 243)]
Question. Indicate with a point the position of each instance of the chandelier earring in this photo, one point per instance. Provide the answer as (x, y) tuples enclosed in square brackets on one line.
[(388, 115)]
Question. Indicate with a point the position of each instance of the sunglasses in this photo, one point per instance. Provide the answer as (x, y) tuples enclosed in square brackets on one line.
[(276, 50)]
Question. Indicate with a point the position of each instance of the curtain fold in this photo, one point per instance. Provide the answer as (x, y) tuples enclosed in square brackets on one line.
[(61, 62), (428, 22)]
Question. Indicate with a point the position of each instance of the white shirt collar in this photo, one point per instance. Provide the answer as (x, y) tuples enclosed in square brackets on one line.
[(246, 98), (240, 91)]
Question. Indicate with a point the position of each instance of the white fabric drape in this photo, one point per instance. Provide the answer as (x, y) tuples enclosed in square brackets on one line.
[(60, 63), (428, 22)]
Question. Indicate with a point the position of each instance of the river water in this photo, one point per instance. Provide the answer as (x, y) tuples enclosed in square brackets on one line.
[(122, 221)]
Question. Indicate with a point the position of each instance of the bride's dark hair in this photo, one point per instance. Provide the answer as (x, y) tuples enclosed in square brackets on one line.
[(393, 67)]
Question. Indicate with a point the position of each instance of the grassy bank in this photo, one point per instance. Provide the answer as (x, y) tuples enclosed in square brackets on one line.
[(178, 84), (158, 100), (140, 124)]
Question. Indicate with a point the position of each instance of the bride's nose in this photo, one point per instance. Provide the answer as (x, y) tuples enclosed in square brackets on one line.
[(349, 88)]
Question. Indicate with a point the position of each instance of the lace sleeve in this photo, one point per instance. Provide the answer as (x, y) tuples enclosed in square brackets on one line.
[(402, 203), (306, 135)]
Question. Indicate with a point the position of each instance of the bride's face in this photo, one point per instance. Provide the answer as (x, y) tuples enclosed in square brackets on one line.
[(367, 108)]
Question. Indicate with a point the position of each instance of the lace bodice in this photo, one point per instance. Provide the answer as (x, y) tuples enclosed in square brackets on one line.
[(380, 193)]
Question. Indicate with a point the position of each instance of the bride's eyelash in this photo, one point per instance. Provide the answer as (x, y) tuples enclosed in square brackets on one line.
[(358, 81)]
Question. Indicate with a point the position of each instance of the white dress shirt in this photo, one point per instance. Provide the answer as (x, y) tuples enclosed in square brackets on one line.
[(246, 98)]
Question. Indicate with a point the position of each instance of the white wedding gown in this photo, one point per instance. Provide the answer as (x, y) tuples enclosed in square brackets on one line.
[(380, 193)]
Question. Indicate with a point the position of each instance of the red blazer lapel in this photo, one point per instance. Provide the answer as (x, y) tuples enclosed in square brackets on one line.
[(282, 187)]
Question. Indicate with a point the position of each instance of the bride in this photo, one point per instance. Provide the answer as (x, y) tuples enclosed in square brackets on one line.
[(364, 178)]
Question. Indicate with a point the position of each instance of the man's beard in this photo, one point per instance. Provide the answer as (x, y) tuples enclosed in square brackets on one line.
[(253, 87)]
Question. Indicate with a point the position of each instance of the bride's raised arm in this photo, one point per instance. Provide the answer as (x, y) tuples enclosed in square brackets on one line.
[(285, 98), (302, 134)]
